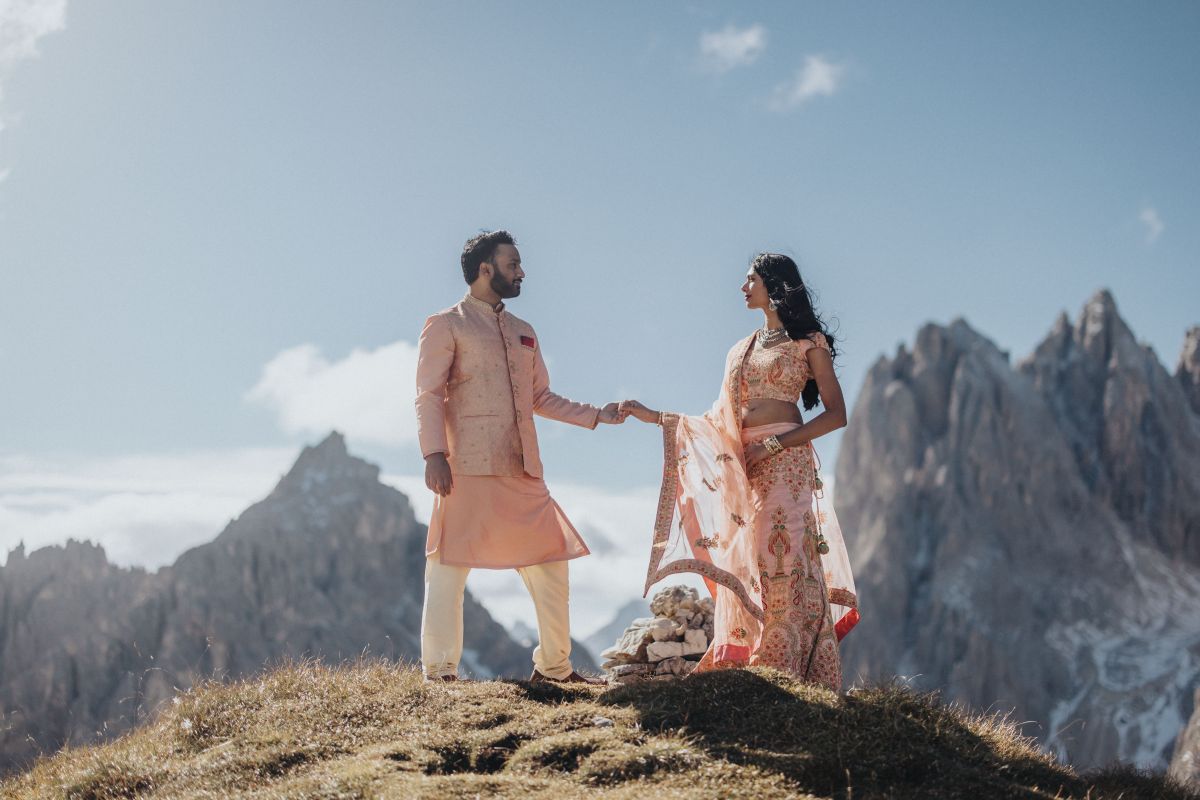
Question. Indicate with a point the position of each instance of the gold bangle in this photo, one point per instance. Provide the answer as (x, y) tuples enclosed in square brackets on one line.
[(773, 445), (660, 419)]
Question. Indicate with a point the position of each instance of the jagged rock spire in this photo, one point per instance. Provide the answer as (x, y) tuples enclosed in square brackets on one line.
[(1188, 371), (327, 464), (1050, 510), (1128, 423)]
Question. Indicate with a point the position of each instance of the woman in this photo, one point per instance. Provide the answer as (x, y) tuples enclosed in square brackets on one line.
[(741, 501)]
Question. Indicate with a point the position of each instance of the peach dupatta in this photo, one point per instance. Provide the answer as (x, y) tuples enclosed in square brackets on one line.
[(704, 515)]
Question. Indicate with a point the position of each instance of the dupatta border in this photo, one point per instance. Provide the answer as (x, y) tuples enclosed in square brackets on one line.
[(843, 597), (667, 497), (668, 493)]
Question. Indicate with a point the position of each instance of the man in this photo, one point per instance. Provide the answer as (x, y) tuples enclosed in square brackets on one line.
[(480, 379)]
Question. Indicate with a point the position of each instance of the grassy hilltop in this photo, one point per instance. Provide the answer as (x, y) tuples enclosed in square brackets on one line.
[(375, 729)]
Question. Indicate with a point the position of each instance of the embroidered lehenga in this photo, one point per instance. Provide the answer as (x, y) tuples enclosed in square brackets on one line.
[(754, 536)]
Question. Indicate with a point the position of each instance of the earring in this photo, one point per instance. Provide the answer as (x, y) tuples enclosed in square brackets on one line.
[(771, 305)]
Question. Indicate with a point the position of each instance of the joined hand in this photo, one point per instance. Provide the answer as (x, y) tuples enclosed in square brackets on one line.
[(612, 414), (634, 408)]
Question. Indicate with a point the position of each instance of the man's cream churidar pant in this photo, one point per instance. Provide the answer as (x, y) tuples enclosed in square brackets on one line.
[(442, 617)]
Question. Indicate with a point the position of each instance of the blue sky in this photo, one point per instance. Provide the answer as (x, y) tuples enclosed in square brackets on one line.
[(222, 224)]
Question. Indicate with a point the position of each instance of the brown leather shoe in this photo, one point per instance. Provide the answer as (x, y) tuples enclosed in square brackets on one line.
[(432, 679), (574, 677)]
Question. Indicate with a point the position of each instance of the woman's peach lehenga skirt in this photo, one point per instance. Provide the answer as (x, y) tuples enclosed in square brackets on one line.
[(797, 633)]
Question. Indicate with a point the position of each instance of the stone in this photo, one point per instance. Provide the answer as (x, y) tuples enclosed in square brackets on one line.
[(674, 666), (623, 618), (657, 651), (662, 630), (694, 642), (667, 600), (629, 646), (632, 669)]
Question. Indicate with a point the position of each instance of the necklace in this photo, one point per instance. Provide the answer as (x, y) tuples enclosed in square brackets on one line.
[(771, 336)]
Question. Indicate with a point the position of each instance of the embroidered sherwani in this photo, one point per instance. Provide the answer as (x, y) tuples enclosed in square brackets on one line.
[(480, 380)]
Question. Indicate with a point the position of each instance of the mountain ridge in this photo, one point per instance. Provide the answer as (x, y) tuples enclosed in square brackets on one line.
[(999, 557), (329, 563)]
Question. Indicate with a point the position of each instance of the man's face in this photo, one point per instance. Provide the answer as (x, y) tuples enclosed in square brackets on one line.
[(506, 271)]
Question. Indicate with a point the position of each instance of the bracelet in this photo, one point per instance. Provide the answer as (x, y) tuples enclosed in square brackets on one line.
[(660, 419), (773, 445)]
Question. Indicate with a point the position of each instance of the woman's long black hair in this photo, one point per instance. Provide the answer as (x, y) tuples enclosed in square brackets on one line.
[(792, 303)]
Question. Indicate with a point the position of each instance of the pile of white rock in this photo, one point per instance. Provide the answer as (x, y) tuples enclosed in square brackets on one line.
[(664, 646)]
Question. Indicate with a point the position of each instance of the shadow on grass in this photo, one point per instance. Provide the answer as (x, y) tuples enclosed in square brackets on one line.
[(550, 693), (883, 741)]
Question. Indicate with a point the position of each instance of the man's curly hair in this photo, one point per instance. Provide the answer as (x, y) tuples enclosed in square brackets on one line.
[(480, 248)]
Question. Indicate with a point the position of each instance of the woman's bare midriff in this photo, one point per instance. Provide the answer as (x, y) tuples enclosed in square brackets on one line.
[(767, 412)]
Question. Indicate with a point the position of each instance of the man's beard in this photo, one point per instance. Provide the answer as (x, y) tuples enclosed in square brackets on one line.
[(504, 287)]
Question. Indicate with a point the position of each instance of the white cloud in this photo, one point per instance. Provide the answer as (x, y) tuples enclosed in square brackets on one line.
[(22, 24), (144, 510), (817, 77), (732, 47), (367, 395), (1154, 224)]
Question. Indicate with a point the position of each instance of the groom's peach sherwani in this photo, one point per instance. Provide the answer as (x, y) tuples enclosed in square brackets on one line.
[(480, 380)]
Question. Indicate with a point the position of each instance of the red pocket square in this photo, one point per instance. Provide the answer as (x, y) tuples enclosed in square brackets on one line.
[(528, 342)]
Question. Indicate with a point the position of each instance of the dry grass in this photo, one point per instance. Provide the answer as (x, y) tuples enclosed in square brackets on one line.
[(375, 729)]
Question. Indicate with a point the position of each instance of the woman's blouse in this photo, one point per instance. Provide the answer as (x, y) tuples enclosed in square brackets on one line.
[(779, 372)]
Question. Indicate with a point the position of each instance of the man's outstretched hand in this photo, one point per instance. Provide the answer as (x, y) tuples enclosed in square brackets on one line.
[(633, 407), (612, 414), (437, 474)]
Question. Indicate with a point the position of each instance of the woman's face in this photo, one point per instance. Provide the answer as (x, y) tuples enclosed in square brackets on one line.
[(755, 290)]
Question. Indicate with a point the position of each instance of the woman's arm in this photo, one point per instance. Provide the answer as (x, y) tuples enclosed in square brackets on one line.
[(834, 416)]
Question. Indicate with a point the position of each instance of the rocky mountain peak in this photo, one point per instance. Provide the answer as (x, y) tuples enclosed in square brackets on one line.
[(73, 558), (1128, 424), (1188, 371), (941, 346), (1102, 334), (330, 565), (1052, 510), (17, 553), (324, 466), (1098, 341)]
